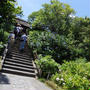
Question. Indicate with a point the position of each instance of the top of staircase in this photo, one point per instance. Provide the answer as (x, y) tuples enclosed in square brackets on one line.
[(22, 22)]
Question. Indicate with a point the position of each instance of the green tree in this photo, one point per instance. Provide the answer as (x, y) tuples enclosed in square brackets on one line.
[(73, 31), (8, 11), (53, 16), (80, 31)]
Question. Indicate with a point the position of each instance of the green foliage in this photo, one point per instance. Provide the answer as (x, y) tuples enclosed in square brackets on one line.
[(53, 16), (67, 38), (8, 12), (1, 47), (6, 34), (32, 17), (53, 85), (70, 39), (40, 40), (47, 65), (59, 47), (42, 79), (73, 75), (78, 38), (5, 37), (47, 43)]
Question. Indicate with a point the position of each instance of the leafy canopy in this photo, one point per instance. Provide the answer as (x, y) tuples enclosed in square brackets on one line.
[(53, 16)]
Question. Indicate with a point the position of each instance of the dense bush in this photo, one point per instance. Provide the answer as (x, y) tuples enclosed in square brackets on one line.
[(42, 42), (47, 43), (59, 47), (75, 30), (47, 65), (73, 75)]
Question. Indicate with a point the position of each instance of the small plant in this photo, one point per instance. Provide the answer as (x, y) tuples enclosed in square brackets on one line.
[(47, 65), (42, 79), (6, 34)]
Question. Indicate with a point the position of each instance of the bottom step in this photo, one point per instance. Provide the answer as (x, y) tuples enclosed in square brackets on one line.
[(10, 71)]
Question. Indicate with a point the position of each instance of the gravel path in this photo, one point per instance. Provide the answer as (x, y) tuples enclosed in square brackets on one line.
[(15, 82)]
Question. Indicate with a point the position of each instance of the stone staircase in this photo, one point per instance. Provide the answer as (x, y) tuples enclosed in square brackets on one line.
[(20, 63)]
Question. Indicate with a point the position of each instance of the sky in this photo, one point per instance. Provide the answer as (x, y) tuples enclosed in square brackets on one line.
[(81, 7)]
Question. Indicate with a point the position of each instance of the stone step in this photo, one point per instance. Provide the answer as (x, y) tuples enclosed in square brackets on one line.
[(17, 47), (21, 57), (17, 50), (21, 54), (18, 61), (15, 57), (23, 60), (24, 53), (23, 73), (17, 64), (19, 68)]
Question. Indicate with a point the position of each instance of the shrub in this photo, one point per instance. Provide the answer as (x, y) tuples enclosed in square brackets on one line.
[(73, 75), (47, 65), (4, 41), (6, 34), (40, 41), (47, 43), (4, 37), (1, 47), (58, 46)]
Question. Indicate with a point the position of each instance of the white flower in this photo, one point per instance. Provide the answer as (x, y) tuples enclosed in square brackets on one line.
[(63, 83), (84, 77), (62, 79), (57, 79), (59, 70)]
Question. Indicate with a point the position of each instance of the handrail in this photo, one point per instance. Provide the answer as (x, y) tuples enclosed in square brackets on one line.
[(4, 55)]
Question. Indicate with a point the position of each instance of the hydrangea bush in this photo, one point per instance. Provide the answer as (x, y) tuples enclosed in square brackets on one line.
[(47, 65), (73, 75)]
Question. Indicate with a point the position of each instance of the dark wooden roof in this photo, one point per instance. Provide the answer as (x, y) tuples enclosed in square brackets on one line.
[(23, 22)]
